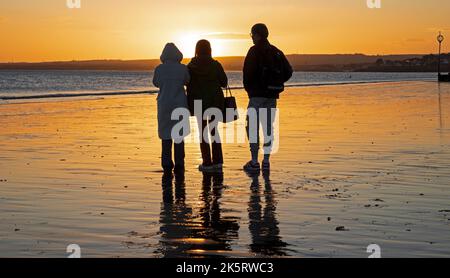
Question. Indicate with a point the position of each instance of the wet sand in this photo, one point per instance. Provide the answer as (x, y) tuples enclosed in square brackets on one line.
[(357, 164)]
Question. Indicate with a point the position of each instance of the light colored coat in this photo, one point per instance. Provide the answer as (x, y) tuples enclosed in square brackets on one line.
[(170, 77)]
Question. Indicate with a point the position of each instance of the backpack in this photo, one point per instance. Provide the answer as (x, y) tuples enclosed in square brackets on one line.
[(275, 70)]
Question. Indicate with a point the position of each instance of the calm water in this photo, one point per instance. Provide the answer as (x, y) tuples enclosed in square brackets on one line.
[(63, 83)]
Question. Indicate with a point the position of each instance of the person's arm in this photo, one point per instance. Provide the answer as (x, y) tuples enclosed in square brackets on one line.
[(223, 79), (156, 78), (287, 68), (187, 77), (250, 69)]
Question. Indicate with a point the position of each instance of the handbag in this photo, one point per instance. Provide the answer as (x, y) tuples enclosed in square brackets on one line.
[(230, 103)]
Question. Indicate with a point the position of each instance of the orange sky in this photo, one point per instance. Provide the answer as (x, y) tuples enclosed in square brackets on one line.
[(47, 30)]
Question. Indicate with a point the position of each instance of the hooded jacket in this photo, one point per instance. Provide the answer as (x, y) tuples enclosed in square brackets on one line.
[(207, 80), (170, 77)]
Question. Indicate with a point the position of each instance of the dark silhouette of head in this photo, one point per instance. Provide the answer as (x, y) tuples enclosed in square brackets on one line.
[(259, 32), (203, 48), (171, 53)]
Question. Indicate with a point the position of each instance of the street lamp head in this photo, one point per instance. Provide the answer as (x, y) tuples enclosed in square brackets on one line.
[(440, 38)]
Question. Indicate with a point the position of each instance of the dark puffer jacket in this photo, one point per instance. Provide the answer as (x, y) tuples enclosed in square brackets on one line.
[(207, 80)]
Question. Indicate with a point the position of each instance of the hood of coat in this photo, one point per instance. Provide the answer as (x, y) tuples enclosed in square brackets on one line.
[(171, 53), (201, 65)]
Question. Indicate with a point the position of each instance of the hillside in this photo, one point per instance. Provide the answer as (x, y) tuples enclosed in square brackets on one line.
[(301, 62)]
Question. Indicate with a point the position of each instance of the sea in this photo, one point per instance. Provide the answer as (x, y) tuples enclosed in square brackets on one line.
[(40, 84)]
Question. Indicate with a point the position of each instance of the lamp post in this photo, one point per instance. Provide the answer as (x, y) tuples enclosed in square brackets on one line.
[(440, 39)]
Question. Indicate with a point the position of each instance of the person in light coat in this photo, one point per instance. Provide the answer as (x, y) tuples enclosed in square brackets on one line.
[(171, 77)]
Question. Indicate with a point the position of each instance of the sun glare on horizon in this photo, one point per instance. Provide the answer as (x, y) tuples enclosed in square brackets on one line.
[(221, 46)]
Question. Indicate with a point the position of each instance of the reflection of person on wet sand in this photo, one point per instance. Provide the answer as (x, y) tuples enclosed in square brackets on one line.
[(186, 235), (175, 218), (220, 231), (263, 224)]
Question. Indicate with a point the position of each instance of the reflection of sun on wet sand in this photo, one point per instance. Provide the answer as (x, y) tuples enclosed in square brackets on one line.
[(357, 165)]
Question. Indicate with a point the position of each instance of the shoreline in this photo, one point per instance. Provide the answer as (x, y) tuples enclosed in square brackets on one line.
[(155, 91)]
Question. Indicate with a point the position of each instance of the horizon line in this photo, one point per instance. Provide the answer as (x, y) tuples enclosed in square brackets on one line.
[(231, 56)]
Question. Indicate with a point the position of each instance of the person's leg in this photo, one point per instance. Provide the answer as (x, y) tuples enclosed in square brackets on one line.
[(267, 122), (217, 153), (166, 155), (204, 143), (253, 127), (179, 156), (253, 165)]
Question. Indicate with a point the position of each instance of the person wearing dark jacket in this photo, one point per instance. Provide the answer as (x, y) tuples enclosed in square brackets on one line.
[(266, 69), (207, 80)]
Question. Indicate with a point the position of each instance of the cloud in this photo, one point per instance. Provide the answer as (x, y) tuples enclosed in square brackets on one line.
[(414, 40), (439, 29), (228, 36)]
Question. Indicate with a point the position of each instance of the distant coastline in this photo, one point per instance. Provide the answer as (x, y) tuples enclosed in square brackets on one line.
[(301, 62)]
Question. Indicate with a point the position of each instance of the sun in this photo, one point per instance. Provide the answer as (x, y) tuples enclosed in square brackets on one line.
[(186, 43)]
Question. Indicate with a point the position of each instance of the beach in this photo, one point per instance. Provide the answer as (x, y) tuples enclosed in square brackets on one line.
[(357, 165)]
